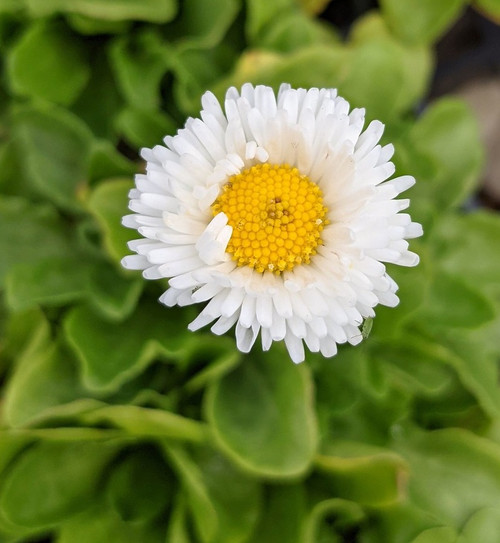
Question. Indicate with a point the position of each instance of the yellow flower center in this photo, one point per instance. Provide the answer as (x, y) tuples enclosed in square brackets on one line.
[(277, 216)]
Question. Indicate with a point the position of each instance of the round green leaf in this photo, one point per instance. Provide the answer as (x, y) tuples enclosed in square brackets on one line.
[(51, 282), (468, 247), (453, 473), (283, 515), (262, 13), (113, 353), (52, 481), (447, 134), (375, 480), (106, 162), (203, 25), (145, 422), (198, 500), (139, 64), (48, 63), (318, 524), (103, 525), (296, 30), (110, 293), (235, 495), (262, 415), (108, 202), (483, 526), (144, 127), (56, 146), (44, 378), (451, 302), (90, 26), (140, 486), (421, 21), (155, 11), (437, 535), (30, 234)]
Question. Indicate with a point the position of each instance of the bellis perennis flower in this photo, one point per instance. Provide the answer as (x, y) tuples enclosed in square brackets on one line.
[(277, 212)]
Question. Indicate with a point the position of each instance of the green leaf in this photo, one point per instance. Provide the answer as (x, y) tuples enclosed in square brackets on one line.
[(110, 293), (144, 422), (337, 384), (453, 473), (342, 513), (222, 356), (11, 446), (144, 127), (413, 363), (467, 247), (7, 6), (108, 202), (100, 101), (316, 66), (453, 303), (295, 30), (103, 525), (61, 477), (139, 64), (235, 496), (414, 62), (196, 70), (49, 63), (261, 14), (483, 526), (437, 535), (56, 146), (391, 322), (90, 26), (45, 377), (399, 523), (106, 162), (140, 487), (201, 25), (369, 62), (198, 500), (376, 479), (262, 416), (475, 365), (177, 528), (51, 282), (352, 69), (11, 167), (421, 21), (30, 234), (155, 11), (19, 332), (283, 515), (491, 8), (113, 353), (58, 281), (447, 134)]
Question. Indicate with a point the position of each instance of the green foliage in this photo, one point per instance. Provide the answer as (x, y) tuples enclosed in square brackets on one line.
[(48, 49), (421, 21), (117, 423), (278, 437)]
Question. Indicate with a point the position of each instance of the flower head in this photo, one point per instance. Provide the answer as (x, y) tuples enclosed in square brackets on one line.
[(277, 211)]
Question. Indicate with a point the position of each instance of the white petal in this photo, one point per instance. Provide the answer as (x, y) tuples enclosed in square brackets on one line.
[(245, 337)]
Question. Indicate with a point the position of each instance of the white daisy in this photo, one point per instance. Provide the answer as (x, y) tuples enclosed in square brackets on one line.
[(277, 211)]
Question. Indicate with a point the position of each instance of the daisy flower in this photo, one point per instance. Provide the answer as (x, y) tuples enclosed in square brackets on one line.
[(277, 213)]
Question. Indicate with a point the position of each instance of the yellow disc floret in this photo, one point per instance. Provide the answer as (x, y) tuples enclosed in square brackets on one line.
[(277, 215)]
